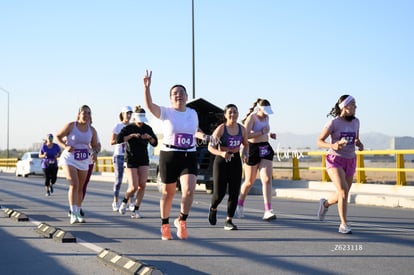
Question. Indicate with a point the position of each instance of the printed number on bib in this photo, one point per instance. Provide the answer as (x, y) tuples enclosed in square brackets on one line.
[(234, 142), (81, 154), (183, 140), (263, 151)]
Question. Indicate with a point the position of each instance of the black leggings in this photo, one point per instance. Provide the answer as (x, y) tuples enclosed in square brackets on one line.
[(50, 175), (227, 174)]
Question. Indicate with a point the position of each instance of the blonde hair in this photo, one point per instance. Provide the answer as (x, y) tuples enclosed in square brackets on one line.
[(81, 109)]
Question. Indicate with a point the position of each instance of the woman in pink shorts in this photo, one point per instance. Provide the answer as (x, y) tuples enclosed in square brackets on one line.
[(341, 159)]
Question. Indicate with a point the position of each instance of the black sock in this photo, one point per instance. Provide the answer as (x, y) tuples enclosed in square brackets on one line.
[(125, 200), (136, 208), (165, 221), (183, 217)]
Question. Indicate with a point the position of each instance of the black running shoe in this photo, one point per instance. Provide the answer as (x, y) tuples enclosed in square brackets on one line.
[(212, 216), (229, 225)]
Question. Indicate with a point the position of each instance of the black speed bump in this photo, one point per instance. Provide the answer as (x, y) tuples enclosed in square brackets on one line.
[(125, 264), (19, 216), (46, 230), (63, 236)]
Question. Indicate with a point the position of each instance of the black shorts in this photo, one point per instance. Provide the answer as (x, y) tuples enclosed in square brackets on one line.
[(173, 164), (137, 162), (259, 151)]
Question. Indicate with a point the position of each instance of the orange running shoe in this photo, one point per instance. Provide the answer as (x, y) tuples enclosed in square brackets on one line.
[(166, 232), (181, 229)]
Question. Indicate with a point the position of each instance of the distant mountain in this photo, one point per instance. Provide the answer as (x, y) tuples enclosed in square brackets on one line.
[(372, 141), (296, 141), (376, 141)]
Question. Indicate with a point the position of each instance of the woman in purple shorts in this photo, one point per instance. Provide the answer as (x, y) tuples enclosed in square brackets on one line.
[(341, 159)]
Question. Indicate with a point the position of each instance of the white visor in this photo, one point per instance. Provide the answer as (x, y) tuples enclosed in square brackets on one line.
[(126, 109), (267, 110), (139, 117), (345, 102)]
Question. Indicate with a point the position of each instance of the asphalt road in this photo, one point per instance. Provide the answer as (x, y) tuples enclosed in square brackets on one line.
[(296, 243)]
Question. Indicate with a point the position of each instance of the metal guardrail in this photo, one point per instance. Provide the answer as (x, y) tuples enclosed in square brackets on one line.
[(105, 164), (400, 170), (11, 162)]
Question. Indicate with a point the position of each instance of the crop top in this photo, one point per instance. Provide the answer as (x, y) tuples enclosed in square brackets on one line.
[(259, 125), (229, 141)]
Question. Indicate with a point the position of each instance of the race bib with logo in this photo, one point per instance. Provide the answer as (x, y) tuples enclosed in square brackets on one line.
[(234, 141), (183, 140), (51, 161), (81, 154), (348, 136), (264, 150)]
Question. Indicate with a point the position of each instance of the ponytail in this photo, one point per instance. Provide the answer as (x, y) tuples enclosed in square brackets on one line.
[(252, 109)]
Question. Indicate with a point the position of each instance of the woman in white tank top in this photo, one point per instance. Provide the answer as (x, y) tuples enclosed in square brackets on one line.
[(76, 138), (260, 157)]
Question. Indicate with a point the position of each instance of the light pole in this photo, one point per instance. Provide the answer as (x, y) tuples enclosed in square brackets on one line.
[(192, 24), (8, 120)]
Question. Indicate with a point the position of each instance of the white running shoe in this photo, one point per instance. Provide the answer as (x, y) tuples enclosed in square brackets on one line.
[(80, 218), (322, 209), (344, 229), (136, 215), (73, 218), (269, 215), (240, 211), (115, 206), (131, 207), (122, 208)]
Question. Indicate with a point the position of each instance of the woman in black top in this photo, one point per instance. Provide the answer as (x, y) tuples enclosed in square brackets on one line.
[(137, 135)]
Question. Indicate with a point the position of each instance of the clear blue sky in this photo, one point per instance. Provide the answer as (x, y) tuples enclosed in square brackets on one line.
[(300, 55)]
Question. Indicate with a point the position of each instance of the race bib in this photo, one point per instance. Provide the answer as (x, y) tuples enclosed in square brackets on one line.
[(51, 161), (183, 140), (234, 141), (348, 136), (81, 154), (263, 150)]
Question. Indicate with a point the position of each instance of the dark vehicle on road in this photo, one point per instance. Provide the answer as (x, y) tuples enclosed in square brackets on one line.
[(209, 116)]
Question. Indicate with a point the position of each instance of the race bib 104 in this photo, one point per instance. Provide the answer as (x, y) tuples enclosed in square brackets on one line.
[(183, 140)]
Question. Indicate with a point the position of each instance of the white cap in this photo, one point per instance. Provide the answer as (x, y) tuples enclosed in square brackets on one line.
[(126, 109), (139, 117), (267, 110)]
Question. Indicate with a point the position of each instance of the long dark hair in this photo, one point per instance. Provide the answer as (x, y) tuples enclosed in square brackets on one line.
[(228, 106), (336, 111)]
